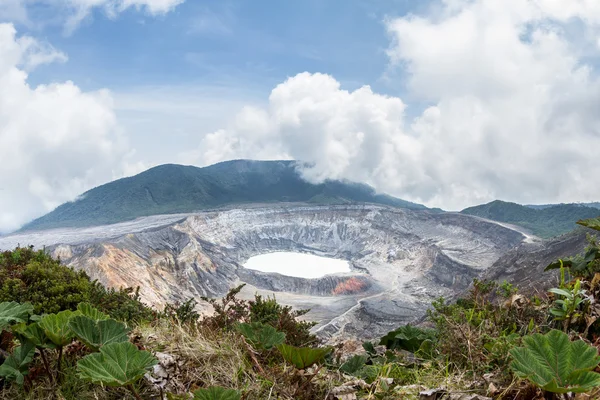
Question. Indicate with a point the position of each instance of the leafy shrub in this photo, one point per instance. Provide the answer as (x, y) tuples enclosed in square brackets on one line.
[(122, 304), (472, 332), (183, 312), (407, 337), (354, 364), (303, 357), (556, 364), (567, 308), (95, 334), (261, 336), (117, 364), (230, 310), (28, 275), (33, 276), (16, 366)]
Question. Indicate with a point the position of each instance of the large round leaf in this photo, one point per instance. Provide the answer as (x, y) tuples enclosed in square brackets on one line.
[(56, 327), (12, 312), (556, 364), (16, 366), (303, 357), (261, 336), (95, 334), (117, 364), (91, 312), (34, 334)]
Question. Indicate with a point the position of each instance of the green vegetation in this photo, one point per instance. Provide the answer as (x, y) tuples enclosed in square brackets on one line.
[(216, 393), (30, 276), (544, 222), (556, 364), (171, 189), (493, 342)]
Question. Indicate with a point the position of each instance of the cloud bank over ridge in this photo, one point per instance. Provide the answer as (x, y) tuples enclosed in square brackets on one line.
[(56, 141), (513, 97)]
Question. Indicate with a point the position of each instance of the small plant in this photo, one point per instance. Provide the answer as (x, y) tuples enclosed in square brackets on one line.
[(95, 334), (35, 334), (12, 313), (407, 338), (216, 393), (230, 310), (117, 364), (556, 364), (184, 312), (354, 364), (56, 328), (303, 357), (16, 366), (567, 308), (261, 336)]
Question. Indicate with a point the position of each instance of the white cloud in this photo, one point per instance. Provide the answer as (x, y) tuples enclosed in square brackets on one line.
[(13, 10), (56, 141), (80, 9), (73, 12), (514, 110)]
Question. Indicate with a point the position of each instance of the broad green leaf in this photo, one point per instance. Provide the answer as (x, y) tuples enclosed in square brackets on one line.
[(89, 311), (303, 357), (592, 223), (216, 393), (16, 366), (556, 364), (561, 292), (369, 348), (407, 338), (95, 334), (261, 336), (33, 333), (12, 312), (56, 327), (354, 364), (426, 350), (117, 364)]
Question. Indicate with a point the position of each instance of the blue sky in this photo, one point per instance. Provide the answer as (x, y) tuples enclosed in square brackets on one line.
[(448, 103), (223, 52), (224, 43)]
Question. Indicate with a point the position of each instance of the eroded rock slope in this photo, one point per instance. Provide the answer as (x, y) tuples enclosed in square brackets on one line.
[(400, 259)]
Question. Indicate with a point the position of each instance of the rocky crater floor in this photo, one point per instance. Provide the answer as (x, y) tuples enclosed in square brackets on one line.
[(400, 260)]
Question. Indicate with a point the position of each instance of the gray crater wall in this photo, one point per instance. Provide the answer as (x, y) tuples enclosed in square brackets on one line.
[(400, 259)]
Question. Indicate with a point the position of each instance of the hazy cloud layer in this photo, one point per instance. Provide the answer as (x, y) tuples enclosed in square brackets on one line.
[(73, 12), (514, 110), (55, 140)]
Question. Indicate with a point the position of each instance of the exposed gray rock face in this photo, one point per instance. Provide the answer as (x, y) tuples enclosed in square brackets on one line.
[(524, 265), (400, 259)]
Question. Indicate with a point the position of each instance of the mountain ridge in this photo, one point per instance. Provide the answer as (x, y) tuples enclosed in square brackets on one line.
[(173, 188), (545, 222)]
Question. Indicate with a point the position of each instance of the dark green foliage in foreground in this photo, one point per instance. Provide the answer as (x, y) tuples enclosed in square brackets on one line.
[(216, 393), (32, 276), (170, 189), (546, 222), (230, 311), (407, 337), (557, 364)]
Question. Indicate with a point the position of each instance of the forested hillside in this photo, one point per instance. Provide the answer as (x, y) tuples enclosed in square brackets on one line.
[(545, 222), (170, 189)]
